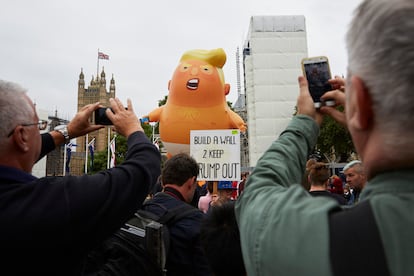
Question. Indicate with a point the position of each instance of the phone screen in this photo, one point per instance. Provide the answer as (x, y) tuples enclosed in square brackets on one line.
[(101, 118), (317, 74)]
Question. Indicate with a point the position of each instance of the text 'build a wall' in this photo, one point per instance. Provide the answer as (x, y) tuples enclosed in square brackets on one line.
[(217, 153)]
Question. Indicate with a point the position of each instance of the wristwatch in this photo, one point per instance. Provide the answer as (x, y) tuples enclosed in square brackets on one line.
[(63, 129)]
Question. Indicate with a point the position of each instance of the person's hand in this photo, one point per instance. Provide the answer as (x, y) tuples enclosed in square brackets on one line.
[(338, 96), (338, 83), (80, 124), (305, 103), (214, 200), (124, 120)]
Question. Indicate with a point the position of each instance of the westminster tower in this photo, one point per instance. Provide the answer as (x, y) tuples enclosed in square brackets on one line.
[(95, 92)]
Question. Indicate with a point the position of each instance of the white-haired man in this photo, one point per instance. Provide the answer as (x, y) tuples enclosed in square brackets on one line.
[(49, 224), (283, 230), (355, 177)]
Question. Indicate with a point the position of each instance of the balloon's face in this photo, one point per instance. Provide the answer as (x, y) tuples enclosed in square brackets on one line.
[(196, 83)]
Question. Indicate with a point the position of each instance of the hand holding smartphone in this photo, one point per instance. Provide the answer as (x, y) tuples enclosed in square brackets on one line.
[(317, 72)]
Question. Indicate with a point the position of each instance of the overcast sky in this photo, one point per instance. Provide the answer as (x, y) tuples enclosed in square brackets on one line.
[(45, 43)]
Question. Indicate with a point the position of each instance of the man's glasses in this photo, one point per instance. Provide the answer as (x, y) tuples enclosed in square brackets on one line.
[(42, 124)]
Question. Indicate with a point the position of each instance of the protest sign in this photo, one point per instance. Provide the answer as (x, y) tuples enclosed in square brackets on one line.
[(217, 153)]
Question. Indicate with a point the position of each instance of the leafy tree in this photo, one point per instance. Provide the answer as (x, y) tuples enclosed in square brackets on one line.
[(101, 158), (163, 101), (121, 148), (230, 104), (147, 130), (334, 141)]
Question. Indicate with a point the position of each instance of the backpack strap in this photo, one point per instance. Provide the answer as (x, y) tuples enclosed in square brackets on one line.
[(172, 215), (355, 243), (169, 218), (175, 214)]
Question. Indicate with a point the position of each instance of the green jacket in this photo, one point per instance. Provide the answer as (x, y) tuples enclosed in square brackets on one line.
[(284, 230)]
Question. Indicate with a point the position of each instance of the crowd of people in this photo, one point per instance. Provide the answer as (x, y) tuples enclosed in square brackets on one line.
[(320, 182), (268, 224)]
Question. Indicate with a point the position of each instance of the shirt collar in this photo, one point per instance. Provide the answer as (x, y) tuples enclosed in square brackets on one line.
[(13, 175), (173, 192), (396, 182)]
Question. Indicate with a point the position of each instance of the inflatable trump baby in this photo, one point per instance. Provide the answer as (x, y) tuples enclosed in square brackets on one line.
[(196, 100)]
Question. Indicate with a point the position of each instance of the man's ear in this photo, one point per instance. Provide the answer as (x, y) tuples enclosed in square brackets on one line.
[(190, 182), (169, 83), (21, 138), (363, 113)]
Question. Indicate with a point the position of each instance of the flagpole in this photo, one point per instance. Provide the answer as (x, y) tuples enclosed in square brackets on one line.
[(86, 154), (109, 139), (112, 149), (97, 66), (64, 161)]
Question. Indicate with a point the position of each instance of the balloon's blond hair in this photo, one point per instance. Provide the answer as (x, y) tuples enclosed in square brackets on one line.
[(216, 57)]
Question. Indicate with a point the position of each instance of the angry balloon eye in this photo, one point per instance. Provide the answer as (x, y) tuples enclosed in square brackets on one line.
[(185, 67), (207, 69)]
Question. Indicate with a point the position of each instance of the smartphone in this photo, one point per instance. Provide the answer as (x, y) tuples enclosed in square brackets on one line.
[(101, 118), (317, 72)]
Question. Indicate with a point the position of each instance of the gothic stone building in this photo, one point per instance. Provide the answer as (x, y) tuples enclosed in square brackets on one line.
[(96, 91)]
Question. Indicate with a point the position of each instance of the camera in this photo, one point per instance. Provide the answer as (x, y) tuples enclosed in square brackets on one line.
[(101, 118)]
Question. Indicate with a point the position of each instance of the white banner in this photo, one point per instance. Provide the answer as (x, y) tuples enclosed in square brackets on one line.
[(217, 153)]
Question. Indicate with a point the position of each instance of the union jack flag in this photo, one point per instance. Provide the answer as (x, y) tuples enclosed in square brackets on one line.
[(102, 56)]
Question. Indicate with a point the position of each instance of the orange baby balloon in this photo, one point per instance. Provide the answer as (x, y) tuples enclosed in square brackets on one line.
[(196, 100)]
